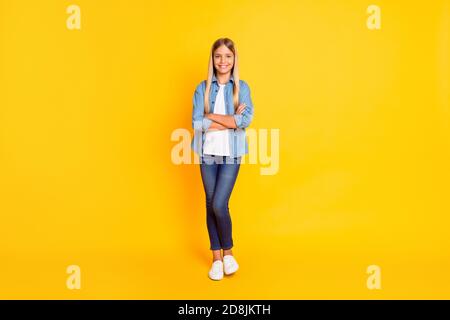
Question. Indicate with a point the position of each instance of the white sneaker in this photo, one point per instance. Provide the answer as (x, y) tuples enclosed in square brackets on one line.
[(216, 271), (230, 264)]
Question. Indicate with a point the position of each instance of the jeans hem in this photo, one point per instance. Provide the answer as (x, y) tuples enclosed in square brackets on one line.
[(222, 248)]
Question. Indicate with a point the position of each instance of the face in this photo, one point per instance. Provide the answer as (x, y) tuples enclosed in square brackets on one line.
[(223, 60)]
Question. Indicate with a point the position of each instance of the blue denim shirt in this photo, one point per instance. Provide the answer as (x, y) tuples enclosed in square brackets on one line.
[(200, 124)]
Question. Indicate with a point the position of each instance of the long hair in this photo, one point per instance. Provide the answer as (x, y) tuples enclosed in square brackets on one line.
[(212, 70)]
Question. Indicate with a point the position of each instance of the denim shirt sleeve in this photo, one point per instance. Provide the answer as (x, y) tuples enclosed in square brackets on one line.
[(199, 122), (244, 119)]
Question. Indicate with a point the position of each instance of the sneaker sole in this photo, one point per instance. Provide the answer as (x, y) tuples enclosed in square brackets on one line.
[(215, 279), (230, 273)]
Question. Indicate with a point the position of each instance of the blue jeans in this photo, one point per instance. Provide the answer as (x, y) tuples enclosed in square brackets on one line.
[(219, 174)]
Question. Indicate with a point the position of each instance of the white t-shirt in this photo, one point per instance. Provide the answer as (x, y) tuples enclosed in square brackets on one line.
[(217, 141)]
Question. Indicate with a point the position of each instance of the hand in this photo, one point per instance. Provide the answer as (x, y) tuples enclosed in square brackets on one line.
[(241, 108)]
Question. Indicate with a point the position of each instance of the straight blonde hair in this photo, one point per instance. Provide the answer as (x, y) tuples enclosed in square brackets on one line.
[(211, 70)]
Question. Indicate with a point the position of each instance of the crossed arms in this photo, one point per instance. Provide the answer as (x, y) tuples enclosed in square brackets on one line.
[(221, 122), (211, 121)]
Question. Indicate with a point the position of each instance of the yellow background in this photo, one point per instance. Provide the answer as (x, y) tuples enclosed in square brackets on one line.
[(86, 176)]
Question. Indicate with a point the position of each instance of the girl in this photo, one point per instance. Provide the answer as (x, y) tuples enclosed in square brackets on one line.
[(222, 110)]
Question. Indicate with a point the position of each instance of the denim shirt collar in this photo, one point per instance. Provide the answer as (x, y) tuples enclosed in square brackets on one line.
[(214, 79)]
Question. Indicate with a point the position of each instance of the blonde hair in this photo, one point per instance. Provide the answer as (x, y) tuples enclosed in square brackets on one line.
[(211, 70)]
